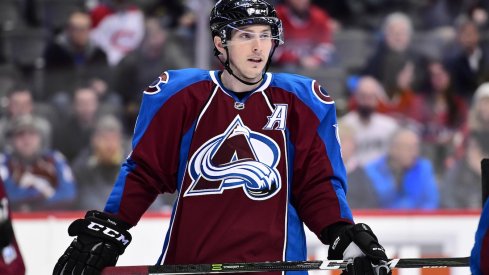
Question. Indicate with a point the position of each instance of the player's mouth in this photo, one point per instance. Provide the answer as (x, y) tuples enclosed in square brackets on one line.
[(255, 59)]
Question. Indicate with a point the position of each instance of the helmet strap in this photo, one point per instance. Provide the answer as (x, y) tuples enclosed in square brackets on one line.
[(230, 71)]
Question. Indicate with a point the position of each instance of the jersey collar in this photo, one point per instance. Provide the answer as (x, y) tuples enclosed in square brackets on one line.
[(267, 78)]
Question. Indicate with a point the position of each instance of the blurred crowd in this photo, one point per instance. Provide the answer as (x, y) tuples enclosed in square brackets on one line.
[(411, 88)]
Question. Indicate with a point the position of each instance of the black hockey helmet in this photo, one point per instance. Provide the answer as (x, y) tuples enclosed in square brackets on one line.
[(231, 14)]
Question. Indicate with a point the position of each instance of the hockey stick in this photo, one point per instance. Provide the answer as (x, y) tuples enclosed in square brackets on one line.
[(279, 266), (485, 179)]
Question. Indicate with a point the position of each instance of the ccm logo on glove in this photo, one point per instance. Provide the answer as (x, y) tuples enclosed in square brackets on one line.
[(108, 231)]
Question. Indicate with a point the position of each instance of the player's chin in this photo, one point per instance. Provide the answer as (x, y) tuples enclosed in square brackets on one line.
[(254, 73), (253, 77)]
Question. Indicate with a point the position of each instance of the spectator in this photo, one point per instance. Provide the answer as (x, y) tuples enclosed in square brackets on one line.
[(360, 192), (138, 68), (11, 261), (402, 179), (72, 58), (403, 102), (371, 130), (461, 184), (479, 112), (393, 54), (98, 164), (118, 28), (446, 113), (479, 13), (478, 120), (469, 65), (20, 102), (35, 178), (73, 133), (308, 31)]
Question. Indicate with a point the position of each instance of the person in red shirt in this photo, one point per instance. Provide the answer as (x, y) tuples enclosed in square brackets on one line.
[(118, 28), (308, 31)]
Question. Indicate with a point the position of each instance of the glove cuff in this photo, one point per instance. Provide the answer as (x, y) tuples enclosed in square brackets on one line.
[(98, 215), (331, 232), (340, 240)]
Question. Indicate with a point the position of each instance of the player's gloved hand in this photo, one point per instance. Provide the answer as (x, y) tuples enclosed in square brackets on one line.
[(100, 241), (6, 233), (360, 245), (363, 265)]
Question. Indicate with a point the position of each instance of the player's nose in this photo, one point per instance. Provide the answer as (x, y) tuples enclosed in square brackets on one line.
[(257, 45)]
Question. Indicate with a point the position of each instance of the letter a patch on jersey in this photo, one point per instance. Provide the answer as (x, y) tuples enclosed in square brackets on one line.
[(278, 118), (239, 158)]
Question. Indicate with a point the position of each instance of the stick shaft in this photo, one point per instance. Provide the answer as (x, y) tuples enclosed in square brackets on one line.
[(430, 262), (485, 179), (280, 266)]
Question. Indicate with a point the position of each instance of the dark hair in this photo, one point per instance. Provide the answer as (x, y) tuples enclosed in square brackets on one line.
[(454, 114)]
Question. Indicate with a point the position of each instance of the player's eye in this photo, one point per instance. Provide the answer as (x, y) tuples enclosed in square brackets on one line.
[(265, 35), (245, 36)]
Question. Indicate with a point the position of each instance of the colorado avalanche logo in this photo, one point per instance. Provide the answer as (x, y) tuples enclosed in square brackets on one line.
[(239, 158)]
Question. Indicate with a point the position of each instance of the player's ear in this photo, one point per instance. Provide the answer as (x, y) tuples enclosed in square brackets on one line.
[(218, 44)]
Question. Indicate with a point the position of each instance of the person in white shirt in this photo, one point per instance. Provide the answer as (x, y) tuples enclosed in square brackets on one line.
[(372, 130)]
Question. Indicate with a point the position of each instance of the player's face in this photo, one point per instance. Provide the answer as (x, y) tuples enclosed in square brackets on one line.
[(249, 48)]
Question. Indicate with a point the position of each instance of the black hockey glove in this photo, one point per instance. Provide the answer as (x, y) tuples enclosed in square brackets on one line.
[(6, 231), (100, 241), (362, 265), (360, 245)]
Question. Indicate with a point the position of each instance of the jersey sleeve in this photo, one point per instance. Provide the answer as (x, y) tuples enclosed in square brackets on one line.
[(319, 182), (479, 257), (151, 168)]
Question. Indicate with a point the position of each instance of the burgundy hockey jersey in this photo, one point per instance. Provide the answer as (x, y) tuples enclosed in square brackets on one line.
[(249, 172)]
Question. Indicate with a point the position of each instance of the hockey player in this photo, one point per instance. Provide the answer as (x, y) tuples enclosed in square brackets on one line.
[(11, 262), (253, 155)]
